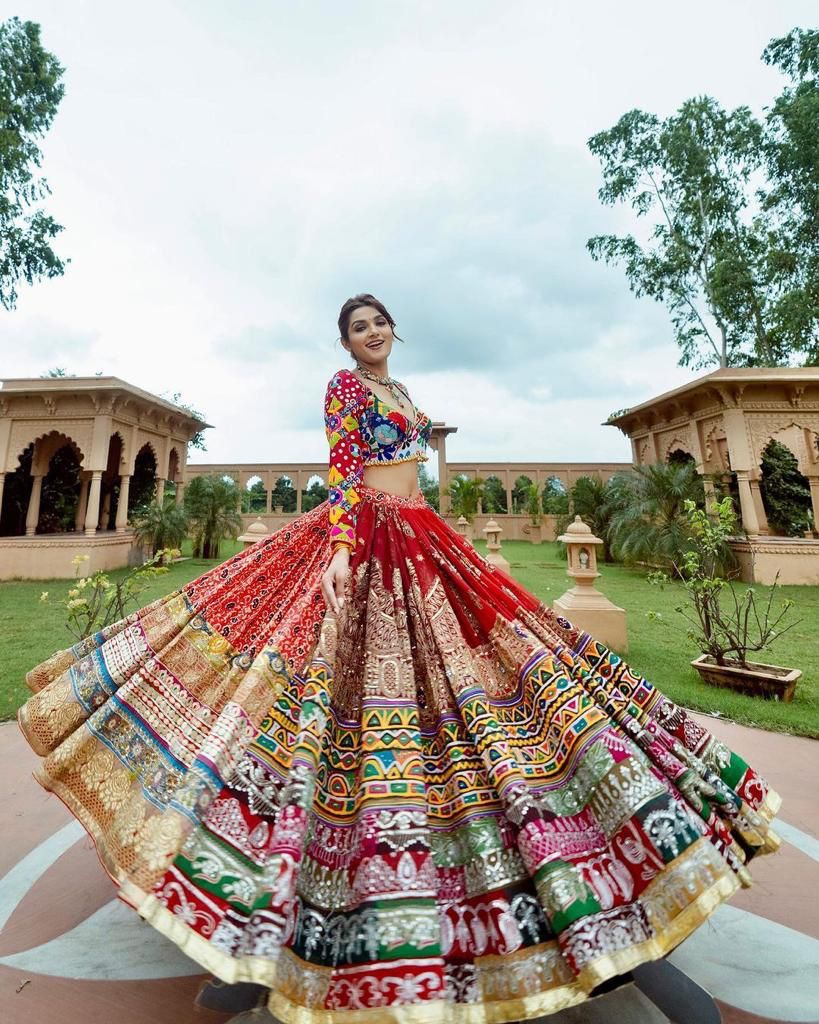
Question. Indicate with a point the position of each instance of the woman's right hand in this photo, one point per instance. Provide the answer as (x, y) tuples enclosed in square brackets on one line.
[(334, 580)]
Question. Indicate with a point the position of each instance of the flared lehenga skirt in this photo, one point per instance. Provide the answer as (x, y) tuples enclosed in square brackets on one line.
[(445, 804)]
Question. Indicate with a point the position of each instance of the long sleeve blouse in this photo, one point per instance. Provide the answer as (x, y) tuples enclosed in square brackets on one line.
[(363, 430)]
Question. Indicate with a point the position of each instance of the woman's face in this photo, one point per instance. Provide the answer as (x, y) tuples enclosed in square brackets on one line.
[(369, 336)]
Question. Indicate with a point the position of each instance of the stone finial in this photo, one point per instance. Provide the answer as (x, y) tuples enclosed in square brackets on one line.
[(255, 532)]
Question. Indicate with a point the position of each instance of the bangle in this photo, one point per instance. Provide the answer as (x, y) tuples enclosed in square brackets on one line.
[(342, 544)]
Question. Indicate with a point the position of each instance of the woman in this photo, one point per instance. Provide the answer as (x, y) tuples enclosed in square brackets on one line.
[(430, 800)]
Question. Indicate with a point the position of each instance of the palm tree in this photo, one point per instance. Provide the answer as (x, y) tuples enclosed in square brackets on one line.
[(212, 502), (161, 526), (594, 502), (649, 521), (465, 492)]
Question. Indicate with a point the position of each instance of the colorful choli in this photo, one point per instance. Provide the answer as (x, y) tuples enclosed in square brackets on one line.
[(362, 430), (445, 805)]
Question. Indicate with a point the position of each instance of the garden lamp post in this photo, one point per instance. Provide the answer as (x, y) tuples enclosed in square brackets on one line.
[(493, 555), (583, 604), (253, 533)]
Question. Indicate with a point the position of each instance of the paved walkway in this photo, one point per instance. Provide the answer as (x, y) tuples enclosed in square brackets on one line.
[(68, 951)]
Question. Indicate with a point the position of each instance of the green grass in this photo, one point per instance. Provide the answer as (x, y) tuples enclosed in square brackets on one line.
[(30, 632)]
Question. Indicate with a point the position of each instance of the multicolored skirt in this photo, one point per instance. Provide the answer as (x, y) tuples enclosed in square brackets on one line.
[(445, 804)]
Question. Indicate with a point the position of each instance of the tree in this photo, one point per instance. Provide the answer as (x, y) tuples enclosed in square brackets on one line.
[(160, 525), (705, 255), (30, 92), (198, 439), (791, 196), (595, 502), (785, 491), (211, 502), (650, 522), (428, 486), (465, 492)]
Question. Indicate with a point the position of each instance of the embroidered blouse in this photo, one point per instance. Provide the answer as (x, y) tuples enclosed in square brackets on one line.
[(362, 431)]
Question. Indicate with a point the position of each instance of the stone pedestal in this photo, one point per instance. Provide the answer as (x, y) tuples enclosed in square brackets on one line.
[(588, 609)]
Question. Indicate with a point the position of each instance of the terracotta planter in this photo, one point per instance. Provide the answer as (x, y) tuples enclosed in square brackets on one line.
[(757, 680)]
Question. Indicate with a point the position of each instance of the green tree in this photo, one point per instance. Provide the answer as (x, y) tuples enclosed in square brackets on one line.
[(465, 493), (494, 496), (595, 502), (555, 497), (30, 92), (704, 257), (211, 503), (785, 491), (429, 487), (198, 439), (284, 494), (254, 498), (315, 494), (790, 198), (161, 526), (650, 523)]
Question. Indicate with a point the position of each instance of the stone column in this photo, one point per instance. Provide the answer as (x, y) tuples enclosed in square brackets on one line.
[(298, 493), (268, 498), (180, 491), (82, 504), (814, 501), (444, 500), (92, 514), (121, 521), (746, 504), (33, 514), (105, 513), (710, 490), (508, 495), (760, 507), (160, 490)]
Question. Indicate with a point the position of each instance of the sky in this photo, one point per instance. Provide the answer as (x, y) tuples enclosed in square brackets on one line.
[(227, 174)]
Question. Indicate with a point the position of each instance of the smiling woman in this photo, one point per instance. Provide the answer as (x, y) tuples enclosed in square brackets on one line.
[(361, 766)]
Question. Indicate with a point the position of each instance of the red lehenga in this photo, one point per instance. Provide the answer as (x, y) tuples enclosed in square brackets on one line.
[(445, 805)]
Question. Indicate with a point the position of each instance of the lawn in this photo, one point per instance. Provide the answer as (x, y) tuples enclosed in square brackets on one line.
[(30, 631)]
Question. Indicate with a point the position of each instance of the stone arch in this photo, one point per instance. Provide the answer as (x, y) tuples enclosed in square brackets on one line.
[(314, 492), (493, 500), (792, 436), (522, 482), (283, 496), (716, 449), (254, 498), (677, 445), (50, 442), (555, 496), (174, 465), (144, 478), (784, 488)]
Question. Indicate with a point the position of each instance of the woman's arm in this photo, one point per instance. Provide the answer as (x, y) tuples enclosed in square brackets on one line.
[(342, 408)]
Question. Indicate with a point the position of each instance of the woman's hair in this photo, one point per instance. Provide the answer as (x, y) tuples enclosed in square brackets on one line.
[(356, 302)]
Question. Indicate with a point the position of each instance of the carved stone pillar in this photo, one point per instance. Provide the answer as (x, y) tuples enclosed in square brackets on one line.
[(180, 491), (82, 504), (814, 501), (33, 514), (121, 521), (160, 490), (444, 500), (760, 507), (268, 504), (710, 491), (92, 514), (105, 513), (298, 493), (747, 505)]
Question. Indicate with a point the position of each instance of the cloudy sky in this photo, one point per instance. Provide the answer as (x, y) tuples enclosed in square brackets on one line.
[(229, 172)]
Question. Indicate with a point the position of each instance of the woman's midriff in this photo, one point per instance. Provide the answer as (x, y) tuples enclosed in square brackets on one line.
[(395, 478)]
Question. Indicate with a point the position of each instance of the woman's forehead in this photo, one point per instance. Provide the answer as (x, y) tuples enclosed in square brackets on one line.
[(365, 313)]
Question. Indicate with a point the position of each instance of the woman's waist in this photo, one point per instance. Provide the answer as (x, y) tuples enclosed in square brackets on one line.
[(395, 478)]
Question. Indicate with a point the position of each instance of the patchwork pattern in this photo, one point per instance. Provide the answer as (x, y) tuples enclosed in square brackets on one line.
[(447, 796)]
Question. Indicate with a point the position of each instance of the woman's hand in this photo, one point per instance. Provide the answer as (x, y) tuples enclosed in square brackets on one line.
[(335, 579)]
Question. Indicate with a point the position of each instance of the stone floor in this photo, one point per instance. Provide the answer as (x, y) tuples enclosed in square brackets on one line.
[(70, 951)]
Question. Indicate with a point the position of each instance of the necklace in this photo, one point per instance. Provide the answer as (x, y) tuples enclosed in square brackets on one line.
[(389, 383)]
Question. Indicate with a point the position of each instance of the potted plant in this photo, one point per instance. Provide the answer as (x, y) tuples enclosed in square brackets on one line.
[(726, 624)]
